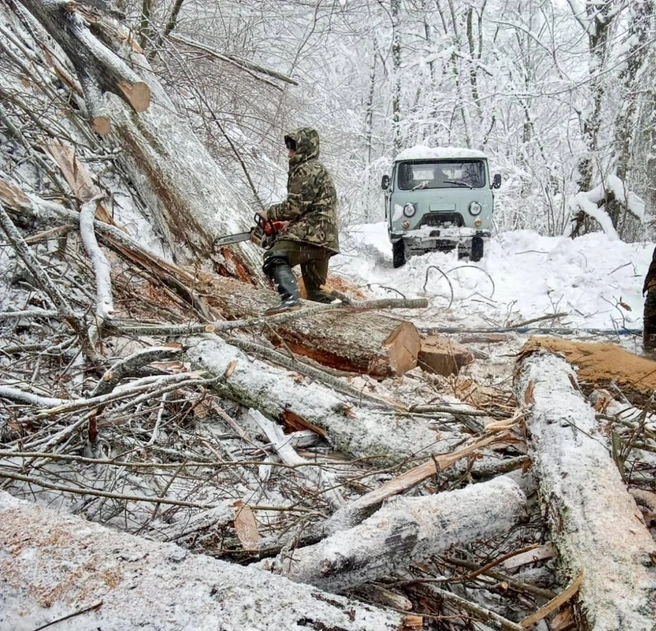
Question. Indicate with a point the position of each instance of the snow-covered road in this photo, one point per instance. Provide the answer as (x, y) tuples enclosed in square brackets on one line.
[(596, 281)]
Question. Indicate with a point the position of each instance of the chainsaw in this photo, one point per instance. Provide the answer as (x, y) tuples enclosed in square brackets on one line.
[(263, 233)]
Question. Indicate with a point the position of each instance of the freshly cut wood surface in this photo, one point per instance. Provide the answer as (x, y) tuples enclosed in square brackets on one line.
[(598, 364)]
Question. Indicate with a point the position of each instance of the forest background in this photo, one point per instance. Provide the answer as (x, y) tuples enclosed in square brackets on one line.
[(560, 95)]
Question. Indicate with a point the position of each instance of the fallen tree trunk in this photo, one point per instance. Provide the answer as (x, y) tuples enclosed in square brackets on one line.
[(333, 338), (355, 431), (595, 524), (405, 530), (64, 567), (192, 200), (366, 343)]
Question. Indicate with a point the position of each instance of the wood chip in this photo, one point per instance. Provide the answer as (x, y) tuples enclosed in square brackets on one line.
[(231, 368), (245, 525), (294, 423)]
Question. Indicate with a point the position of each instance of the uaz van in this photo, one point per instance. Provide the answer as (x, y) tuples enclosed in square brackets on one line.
[(439, 199)]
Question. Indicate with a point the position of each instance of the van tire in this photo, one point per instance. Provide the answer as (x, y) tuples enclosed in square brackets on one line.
[(477, 248), (398, 254)]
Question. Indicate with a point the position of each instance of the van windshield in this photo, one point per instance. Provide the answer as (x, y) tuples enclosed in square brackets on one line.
[(452, 174)]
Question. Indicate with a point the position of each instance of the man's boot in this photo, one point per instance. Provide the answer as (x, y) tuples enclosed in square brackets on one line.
[(317, 295), (287, 287)]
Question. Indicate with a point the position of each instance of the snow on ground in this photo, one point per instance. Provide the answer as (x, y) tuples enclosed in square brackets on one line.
[(522, 276)]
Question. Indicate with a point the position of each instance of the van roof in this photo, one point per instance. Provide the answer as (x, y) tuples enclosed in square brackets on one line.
[(421, 152)]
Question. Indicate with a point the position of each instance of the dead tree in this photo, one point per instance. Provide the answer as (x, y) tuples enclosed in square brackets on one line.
[(595, 523)]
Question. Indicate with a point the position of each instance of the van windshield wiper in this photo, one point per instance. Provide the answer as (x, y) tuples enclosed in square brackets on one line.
[(458, 183)]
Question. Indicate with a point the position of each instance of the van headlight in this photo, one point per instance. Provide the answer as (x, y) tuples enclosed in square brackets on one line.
[(410, 209), (475, 208)]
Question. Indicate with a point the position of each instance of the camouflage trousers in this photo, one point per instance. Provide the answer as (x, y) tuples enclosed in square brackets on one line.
[(649, 325), (313, 260)]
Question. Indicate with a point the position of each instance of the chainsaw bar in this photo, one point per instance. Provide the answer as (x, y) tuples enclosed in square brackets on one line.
[(232, 238)]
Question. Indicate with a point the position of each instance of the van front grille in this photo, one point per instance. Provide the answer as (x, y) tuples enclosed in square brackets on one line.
[(442, 220)]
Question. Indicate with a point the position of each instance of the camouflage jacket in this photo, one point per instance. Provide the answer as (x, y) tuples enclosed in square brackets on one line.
[(311, 204)]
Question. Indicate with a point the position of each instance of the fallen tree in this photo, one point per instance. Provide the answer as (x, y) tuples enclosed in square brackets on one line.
[(65, 568), (189, 197), (595, 523), (367, 430), (332, 338), (405, 530)]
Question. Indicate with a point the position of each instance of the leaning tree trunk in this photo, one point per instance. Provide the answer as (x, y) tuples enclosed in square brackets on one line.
[(190, 198), (65, 567), (594, 522), (405, 530)]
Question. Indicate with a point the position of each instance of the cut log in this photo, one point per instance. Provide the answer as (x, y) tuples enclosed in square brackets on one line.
[(366, 343), (405, 530), (595, 524), (63, 565), (443, 356), (355, 431), (600, 364)]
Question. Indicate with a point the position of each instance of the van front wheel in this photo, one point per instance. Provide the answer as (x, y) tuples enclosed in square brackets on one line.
[(477, 249), (398, 253)]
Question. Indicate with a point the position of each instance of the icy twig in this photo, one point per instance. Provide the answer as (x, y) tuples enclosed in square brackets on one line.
[(14, 394), (86, 491)]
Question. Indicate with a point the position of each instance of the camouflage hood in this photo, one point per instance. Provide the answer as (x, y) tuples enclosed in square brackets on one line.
[(307, 145)]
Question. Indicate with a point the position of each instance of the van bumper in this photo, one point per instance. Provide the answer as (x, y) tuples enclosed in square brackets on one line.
[(427, 239)]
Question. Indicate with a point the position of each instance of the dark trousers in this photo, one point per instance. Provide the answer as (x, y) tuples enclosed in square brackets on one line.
[(313, 260), (649, 326)]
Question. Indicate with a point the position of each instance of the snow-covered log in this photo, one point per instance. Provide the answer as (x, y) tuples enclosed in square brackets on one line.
[(595, 523), (56, 566), (333, 338), (405, 530), (354, 430)]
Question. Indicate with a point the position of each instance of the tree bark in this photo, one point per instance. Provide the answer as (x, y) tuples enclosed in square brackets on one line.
[(98, 68), (115, 581), (353, 430), (190, 198), (405, 530), (334, 338), (595, 524)]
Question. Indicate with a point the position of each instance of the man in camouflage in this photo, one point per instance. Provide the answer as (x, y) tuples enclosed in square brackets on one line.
[(310, 238), (649, 326)]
